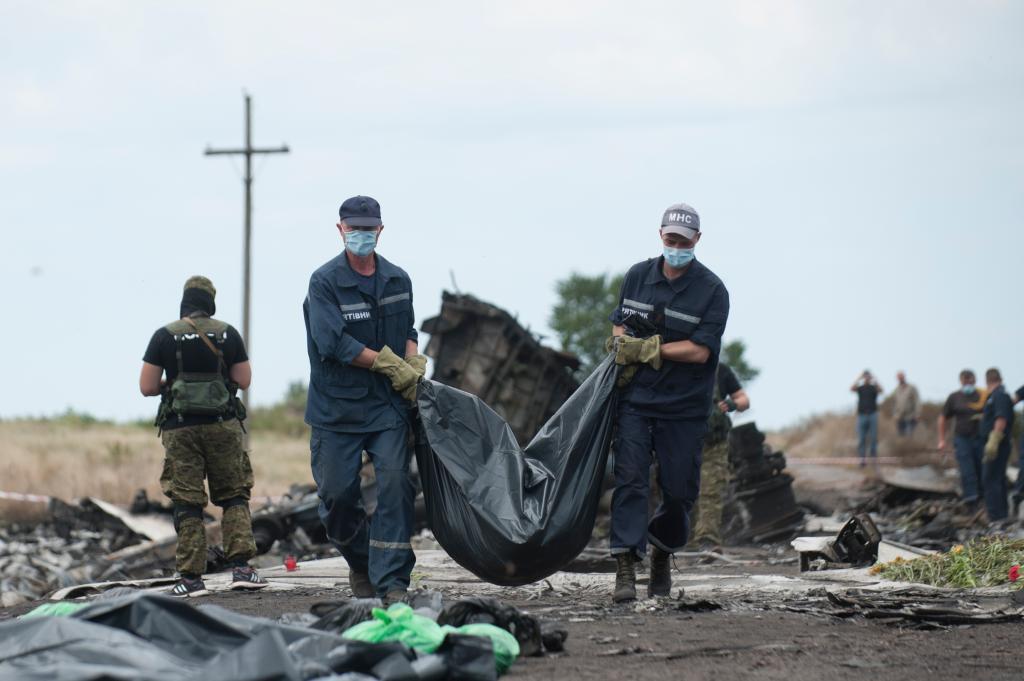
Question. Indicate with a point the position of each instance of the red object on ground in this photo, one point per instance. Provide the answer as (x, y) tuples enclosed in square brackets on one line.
[(290, 564), (1015, 573)]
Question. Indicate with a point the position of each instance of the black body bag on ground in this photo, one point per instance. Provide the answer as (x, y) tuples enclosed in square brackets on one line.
[(507, 514)]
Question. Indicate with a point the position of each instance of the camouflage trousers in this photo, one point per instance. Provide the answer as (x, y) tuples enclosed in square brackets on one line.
[(210, 452), (714, 476)]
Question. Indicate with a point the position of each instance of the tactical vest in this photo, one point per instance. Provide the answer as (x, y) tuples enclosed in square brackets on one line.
[(200, 393), (719, 424)]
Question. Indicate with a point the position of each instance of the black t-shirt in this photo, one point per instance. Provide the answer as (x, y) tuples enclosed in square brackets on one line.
[(195, 357), (966, 410), (727, 381), (867, 398)]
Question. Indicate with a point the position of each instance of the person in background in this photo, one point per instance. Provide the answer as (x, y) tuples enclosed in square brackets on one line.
[(729, 397), (996, 426), (964, 406), (1018, 489), (906, 405), (868, 391)]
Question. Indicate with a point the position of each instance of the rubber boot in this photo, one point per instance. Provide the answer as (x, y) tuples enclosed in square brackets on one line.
[(661, 574), (625, 578)]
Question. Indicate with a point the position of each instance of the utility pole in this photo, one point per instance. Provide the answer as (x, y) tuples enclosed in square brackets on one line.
[(248, 151)]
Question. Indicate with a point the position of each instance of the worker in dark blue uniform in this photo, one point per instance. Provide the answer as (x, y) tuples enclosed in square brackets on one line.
[(1018, 490), (996, 426), (363, 370), (667, 333)]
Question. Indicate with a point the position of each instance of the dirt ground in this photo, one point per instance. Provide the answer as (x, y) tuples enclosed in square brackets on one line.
[(745, 639), (657, 640), (618, 642)]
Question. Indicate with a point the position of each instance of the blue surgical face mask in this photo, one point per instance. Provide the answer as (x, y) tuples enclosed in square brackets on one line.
[(968, 389), (678, 257), (360, 242)]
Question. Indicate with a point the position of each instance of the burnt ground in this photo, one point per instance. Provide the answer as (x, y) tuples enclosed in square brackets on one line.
[(655, 640), (616, 642)]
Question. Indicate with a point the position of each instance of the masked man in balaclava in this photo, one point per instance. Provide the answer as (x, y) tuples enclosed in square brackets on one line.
[(197, 364)]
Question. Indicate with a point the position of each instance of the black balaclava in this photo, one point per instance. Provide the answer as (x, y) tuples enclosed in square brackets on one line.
[(196, 302)]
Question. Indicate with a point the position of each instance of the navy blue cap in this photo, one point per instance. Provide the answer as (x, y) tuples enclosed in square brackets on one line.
[(360, 211)]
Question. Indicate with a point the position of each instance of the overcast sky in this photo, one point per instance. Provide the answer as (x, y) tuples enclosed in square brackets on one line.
[(858, 168)]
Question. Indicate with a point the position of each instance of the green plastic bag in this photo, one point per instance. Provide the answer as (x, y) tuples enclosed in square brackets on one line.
[(506, 647), (58, 609), (399, 623)]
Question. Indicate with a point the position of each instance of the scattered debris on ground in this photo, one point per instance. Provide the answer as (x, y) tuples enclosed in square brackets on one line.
[(856, 545), (913, 606), (71, 547), (293, 520), (759, 505)]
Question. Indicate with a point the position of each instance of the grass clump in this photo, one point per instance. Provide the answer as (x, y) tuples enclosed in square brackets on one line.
[(986, 561)]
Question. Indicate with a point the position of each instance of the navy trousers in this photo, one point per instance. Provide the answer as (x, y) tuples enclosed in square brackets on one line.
[(677, 445), (867, 435), (968, 458), (1018, 490), (378, 545), (993, 474)]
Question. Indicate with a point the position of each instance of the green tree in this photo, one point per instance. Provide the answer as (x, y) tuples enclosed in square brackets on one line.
[(580, 317), (734, 354)]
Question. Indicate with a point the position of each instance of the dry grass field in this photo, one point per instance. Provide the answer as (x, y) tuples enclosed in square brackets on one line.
[(835, 435), (69, 460)]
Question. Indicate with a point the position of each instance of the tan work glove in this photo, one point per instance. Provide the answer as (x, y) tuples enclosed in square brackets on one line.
[(403, 376), (418, 363), (629, 350), (628, 371), (992, 446)]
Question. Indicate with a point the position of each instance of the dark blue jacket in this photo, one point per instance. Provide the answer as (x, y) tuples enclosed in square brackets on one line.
[(341, 320), (998, 405), (692, 307)]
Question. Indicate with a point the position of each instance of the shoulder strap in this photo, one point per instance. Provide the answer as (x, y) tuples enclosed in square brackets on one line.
[(177, 353), (209, 344)]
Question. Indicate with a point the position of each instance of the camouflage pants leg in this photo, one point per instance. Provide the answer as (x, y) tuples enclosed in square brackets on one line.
[(211, 452), (229, 473), (239, 545), (182, 481), (714, 477)]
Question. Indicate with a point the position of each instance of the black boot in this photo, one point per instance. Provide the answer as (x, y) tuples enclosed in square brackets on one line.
[(661, 573), (360, 584), (625, 578)]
